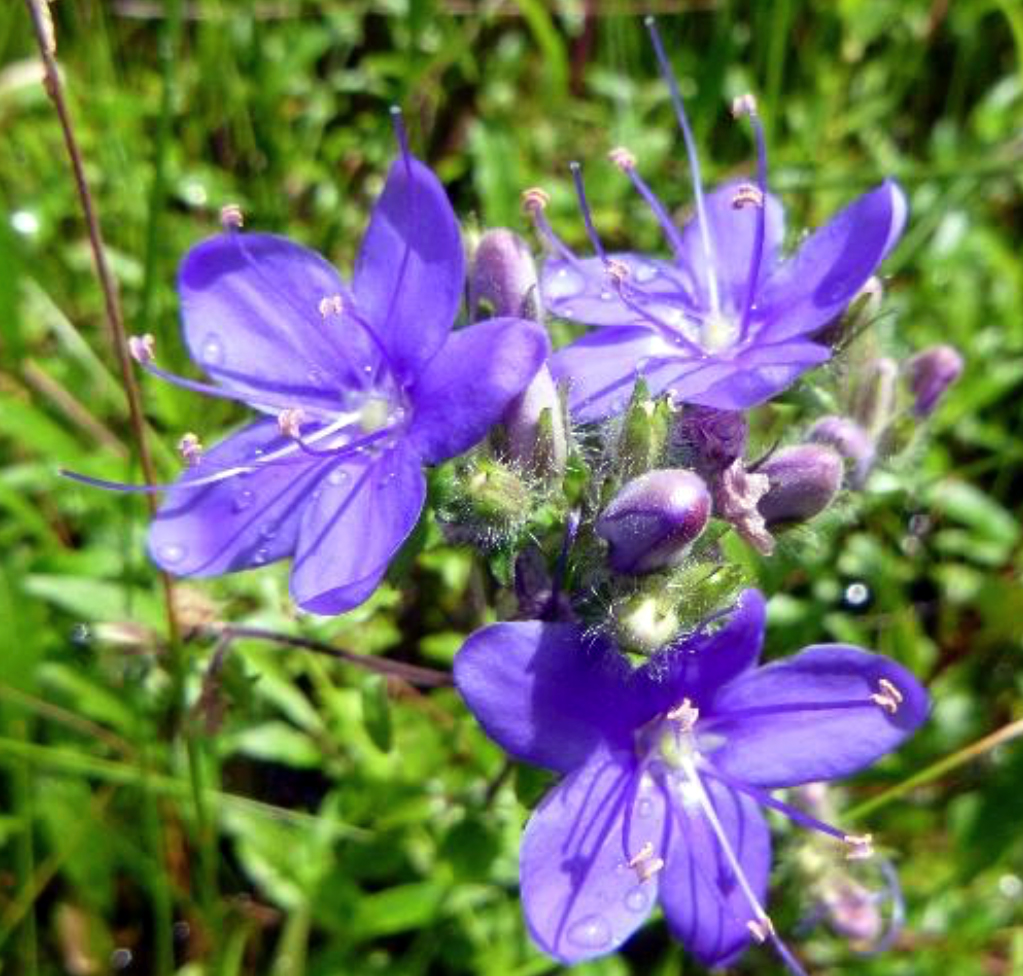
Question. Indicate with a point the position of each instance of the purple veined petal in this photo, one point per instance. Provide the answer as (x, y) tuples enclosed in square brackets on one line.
[(544, 693), (819, 281), (582, 291), (703, 901), (697, 668), (351, 530), (466, 387), (732, 234), (756, 375), (238, 523), (811, 717), (580, 897), (410, 271), (250, 306), (601, 369)]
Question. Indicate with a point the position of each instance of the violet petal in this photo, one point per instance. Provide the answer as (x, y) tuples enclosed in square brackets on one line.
[(465, 389), (790, 747), (351, 529)]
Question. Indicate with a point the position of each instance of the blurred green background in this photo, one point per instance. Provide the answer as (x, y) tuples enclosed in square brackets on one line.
[(317, 819)]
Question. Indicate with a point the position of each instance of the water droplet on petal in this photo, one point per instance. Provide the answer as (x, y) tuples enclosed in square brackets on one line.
[(212, 350), (267, 531), (645, 807), (337, 477), (606, 296), (645, 273), (591, 932), (637, 900), (314, 375), (171, 553), (567, 312), (259, 557), (243, 499)]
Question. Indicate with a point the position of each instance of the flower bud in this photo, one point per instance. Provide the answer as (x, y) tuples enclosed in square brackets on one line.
[(645, 622), (503, 275), (535, 426), (930, 374), (709, 440), (851, 441), (644, 435), (653, 520), (494, 495), (803, 481), (874, 397)]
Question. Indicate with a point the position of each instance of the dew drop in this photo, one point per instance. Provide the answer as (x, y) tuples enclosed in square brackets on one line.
[(645, 807), (267, 531), (606, 296), (243, 499), (637, 900), (259, 556), (645, 273), (591, 932), (314, 375), (567, 312), (337, 477), (171, 553), (857, 595), (212, 350)]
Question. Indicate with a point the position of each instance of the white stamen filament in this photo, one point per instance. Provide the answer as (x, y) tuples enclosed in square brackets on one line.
[(646, 870), (331, 305), (685, 714), (643, 854), (761, 920), (887, 697), (747, 195), (190, 449), (290, 422)]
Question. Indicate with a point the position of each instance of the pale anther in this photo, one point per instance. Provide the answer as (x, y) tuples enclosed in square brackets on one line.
[(535, 198), (648, 869), (888, 697), (290, 422), (762, 929), (744, 105), (616, 270), (747, 195), (685, 714), (190, 449), (622, 158), (861, 846), (231, 216), (142, 348), (331, 305), (889, 689), (643, 854)]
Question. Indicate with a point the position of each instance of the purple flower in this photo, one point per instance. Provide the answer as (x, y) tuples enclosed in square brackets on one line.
[(666, 767), (726, 323), (363, 384)]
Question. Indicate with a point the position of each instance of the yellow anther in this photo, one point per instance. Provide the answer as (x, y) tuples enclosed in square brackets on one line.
[(231, 216), (622, 158), (535, 199)]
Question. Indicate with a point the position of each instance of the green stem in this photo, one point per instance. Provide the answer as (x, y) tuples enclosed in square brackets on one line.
[(936, 770), (163, 906), (25, 856)]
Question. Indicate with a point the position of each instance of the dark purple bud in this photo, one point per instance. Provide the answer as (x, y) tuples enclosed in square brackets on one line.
[(654, 519), (803, 482), (535, 425), (874, 397), (930, 374), (710, 440), (851, 441), (503, 275)]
